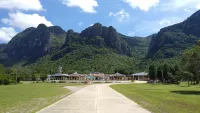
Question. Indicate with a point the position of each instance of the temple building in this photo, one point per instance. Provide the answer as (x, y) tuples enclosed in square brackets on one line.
[(93, 77), (77, 76), (97, 76), (141, 76), (58, 77), (117, 77)]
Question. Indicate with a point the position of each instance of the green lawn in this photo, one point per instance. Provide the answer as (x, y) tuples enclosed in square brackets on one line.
[(163, 98), (26, 98)]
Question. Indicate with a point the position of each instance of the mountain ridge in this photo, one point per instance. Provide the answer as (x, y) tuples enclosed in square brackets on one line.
[(97, 47), (171, 41), (42, 46)]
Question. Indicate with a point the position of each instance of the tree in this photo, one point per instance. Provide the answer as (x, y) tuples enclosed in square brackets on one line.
[(165, 73), (17, 73), (176, 68), (191, 62), (43, 77), (152, 72), (188, 76), (160, 73), (2, 69)]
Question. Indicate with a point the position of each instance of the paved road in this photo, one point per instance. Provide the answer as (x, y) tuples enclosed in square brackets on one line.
[(98, 98)]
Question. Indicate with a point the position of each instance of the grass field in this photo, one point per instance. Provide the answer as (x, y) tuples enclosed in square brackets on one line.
[(163, 98), (28, 98)]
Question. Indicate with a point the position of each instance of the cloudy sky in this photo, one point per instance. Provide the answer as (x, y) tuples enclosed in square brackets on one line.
[(130, 17)]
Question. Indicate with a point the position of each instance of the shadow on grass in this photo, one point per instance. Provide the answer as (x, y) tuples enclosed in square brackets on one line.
[(185, 92), (184, 86)]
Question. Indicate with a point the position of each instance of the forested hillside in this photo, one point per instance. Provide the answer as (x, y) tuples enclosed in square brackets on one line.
[(97, 48), (173, 40)]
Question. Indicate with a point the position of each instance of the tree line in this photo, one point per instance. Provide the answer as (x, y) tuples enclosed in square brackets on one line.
[(165, 73), (13, 75), (187, 70)]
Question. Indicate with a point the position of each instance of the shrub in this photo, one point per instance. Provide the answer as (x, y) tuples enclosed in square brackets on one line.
[(43, 77), (62, 81), (53, 81), (6, 80)]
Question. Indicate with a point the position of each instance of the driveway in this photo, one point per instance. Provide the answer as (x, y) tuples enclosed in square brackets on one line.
[(98, 98)]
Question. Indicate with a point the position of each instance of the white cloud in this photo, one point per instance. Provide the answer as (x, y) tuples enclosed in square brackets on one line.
[(21, 5), (87, 6), (187, 10), (22, 20), (145, 28), (131, 33), (7, 33), (169, 21), (144, 5), (164, 22), (198, 6), (80, 24), (121, 15), (176, 5)]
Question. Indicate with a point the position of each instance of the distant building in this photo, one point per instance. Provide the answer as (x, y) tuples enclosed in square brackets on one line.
[(97, 76), (77, 76), (58, 77), (117, 76), (142, 76), (92, 77)]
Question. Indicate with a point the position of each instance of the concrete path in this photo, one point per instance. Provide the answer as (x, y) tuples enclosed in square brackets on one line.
[(74, 88), (98, 98)]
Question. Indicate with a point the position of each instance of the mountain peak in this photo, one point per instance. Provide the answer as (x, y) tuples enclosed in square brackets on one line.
[(98, 30), (41, 26), (196, 14), (180, 36), (57, 30), (97, 25), (70, 31)]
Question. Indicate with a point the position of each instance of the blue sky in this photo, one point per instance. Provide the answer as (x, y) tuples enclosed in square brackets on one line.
[(130, 17)]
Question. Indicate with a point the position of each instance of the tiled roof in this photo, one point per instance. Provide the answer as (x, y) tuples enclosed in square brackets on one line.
[(140, 74), (59, 75), (76, 74), (117, 74)]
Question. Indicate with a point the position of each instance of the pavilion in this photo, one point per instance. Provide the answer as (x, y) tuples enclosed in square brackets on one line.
[(97, 76), (117, 76), (142, 76), (58, 76), (77, 76)]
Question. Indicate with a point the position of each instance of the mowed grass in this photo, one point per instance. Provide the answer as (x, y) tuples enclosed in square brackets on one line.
[(28, 98), (159, 98)]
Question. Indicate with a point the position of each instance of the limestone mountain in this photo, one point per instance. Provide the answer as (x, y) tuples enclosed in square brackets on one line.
[(95, 48), (97, 36), (139, 45), (173, 40), (35, 42), (110, 37), (2, 46)]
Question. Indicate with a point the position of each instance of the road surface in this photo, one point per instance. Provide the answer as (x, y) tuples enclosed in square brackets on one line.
[(97, 98)]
